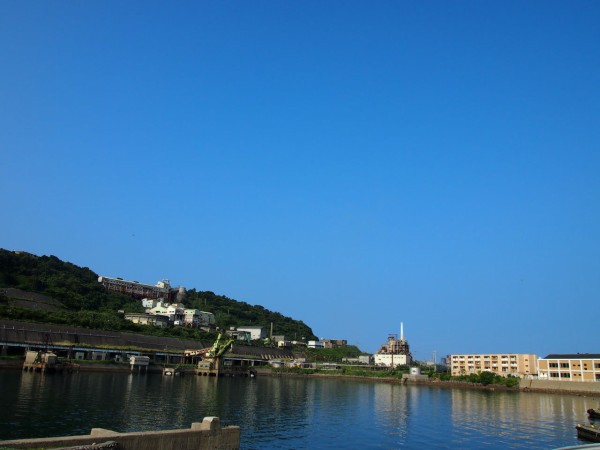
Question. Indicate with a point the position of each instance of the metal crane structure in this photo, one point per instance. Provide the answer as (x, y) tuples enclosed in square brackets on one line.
[(212, 363)]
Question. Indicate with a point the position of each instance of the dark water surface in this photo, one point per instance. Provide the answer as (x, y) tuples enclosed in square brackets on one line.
[(290, 413)]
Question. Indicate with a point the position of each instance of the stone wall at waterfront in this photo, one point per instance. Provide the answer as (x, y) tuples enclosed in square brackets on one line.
[(201, 436), (570, 387)]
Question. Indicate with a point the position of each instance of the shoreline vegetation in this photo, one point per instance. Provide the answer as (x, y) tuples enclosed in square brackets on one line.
[(401, 377)]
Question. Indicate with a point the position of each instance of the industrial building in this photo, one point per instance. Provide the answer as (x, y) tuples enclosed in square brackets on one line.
[(569, 367), (396, 352), (503, 364), (256, 332)]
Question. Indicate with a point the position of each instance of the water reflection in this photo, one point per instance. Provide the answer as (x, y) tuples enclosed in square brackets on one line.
[(289, 412), (519, 420), (391, 405)]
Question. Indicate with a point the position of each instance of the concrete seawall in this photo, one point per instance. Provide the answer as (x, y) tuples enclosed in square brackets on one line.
[(563, 387), (547, 386), (204, 435)]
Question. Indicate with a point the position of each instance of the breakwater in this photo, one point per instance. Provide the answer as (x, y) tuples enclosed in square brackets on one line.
[(204, 435)]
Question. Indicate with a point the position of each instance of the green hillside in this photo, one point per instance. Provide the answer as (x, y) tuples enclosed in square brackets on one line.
[(87, 303)]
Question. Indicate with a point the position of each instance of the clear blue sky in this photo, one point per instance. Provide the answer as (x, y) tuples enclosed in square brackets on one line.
[(350, 164)]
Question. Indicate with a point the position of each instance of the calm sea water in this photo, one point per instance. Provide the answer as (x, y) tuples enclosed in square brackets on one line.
[(290, 413)]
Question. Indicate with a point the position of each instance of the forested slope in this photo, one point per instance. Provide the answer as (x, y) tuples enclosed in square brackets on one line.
[(87, 303)]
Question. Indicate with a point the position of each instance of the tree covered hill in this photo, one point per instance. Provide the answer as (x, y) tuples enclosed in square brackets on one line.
[(88, 303)]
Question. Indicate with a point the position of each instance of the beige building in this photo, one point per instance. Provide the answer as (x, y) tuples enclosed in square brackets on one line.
[(148, 319), (575, 367), (503, 364)]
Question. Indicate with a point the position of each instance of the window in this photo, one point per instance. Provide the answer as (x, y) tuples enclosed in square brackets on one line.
[(553, 365), (553, 374), (564, 365), (565, 375)]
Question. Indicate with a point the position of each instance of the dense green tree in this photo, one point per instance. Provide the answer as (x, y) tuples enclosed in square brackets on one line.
[(486, 378)]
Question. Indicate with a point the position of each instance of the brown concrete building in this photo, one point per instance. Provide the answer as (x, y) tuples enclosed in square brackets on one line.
[(334, 343), (503, 364), (569, 367), (138, 290)]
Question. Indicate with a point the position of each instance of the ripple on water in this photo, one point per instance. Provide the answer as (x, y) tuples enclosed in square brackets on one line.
[(289, 413)]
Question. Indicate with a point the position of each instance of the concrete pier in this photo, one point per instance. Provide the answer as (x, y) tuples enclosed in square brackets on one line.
[(205, 435)]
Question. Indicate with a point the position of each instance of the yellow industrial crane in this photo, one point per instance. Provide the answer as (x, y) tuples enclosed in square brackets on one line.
[(219, 347), (211, 359)]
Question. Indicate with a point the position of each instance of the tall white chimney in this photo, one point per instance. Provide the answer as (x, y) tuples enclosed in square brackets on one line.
[(401, 331)]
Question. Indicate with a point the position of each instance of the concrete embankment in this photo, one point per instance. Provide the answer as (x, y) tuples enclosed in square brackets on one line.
[(591, 389), (543, 386), (204, 435)]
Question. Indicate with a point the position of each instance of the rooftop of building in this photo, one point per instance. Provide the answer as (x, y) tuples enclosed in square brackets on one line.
[(573, 356)]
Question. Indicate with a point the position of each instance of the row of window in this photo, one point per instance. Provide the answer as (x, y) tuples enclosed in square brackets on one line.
[(554, 365), (484, 357), (568, 375)]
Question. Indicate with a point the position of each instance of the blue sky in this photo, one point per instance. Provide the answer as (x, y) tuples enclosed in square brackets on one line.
[(351, 165)]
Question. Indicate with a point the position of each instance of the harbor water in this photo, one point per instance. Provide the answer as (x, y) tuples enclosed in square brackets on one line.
[(290, 413)]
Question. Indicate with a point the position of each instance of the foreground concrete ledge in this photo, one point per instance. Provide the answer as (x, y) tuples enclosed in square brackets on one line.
[(204, 435)]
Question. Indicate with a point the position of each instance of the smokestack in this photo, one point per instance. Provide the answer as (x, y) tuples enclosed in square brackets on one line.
[(401, 331)]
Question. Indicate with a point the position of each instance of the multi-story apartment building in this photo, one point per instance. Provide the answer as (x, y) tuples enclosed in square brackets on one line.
[(162, 289), (503, 364), (569, 367), (174, 312)]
